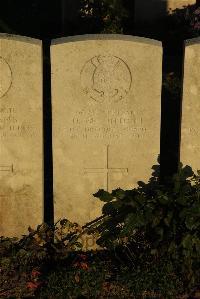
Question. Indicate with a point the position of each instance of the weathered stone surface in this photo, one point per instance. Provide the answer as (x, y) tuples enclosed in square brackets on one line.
[(21, 180), (106, 92), (190, 131), (151, 10)]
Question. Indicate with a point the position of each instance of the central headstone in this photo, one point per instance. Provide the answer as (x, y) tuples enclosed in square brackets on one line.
[(21, 149), (106, 93)]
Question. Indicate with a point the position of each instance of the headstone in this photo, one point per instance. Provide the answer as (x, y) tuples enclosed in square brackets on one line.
[(190, 131), (21, 180), (152, 10), (106, 92)]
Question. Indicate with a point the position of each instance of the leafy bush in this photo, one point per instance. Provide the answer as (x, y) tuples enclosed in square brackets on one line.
[(109, 14), (187, 20), (156, 223)]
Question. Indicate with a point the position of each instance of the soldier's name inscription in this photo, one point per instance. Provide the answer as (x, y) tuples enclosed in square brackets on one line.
[(11, 125), (87, 124)]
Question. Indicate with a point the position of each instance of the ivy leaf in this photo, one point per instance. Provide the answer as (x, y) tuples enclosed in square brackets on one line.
[(135, 220), (187, 241), (195, 209), (163, 199), (191, 222), (172, 247), (154, 251), (196, 242), (141, 184), (159, 231), (119, 193), (64, 222), (156, 221), (103, 195), (187, 172), (183, 213), (109, 209), (182, 200), (168, 219)]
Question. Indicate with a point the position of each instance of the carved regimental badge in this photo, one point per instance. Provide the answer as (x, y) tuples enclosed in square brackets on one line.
[(106, 79), (5, 77)]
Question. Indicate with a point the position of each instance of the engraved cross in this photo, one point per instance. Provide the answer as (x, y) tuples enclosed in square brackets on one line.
[(106, 170)]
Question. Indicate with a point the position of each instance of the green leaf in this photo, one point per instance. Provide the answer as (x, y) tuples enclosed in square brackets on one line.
[(109, 209), (172, 247), (187, 241), (183, 213), (196, 242), (141, 184), (119, 193), (156, 221), (135, 220), (167, 220), (159, 231), (195, 209), (182, 200), (103, 195), (64, 222), (154, 251), (164, 200), (191, 222)]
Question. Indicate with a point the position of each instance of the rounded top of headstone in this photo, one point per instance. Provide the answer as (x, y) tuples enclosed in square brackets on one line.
[(86, 37), (20, 38), (192, 41)]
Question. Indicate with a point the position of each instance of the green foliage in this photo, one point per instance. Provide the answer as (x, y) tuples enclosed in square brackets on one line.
[(108, 13), (155, 220), (185, 22)]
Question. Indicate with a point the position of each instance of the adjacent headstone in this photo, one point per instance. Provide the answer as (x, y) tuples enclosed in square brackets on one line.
[(21, 179), (106, 93), (190, 131), (172, 5), (152, 10)]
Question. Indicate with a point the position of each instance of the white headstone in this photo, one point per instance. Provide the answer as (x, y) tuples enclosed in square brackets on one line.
[(21, 179), (190, 130), (106, 93)]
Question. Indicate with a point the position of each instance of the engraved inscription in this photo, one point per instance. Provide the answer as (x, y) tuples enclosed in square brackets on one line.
[(106, 170), (11, 126), (106, 79), (5, 77), (6, 168), (105, 124), (191, 131)]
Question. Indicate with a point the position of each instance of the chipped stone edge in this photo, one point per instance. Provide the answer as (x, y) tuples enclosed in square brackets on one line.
[(192, 41), (119, 37), (20, 38)]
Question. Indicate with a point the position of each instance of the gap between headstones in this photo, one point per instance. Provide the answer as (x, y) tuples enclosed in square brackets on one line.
[(47, 134)]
